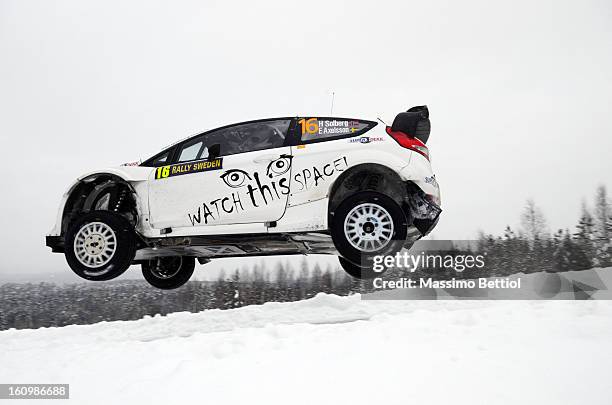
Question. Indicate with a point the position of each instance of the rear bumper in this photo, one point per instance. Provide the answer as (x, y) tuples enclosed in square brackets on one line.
[(425, 226), (56, 243), (420, 173), (422, 208)]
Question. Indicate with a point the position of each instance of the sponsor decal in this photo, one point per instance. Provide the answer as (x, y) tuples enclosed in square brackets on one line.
[(432, 180), (188, 168), (131, 163), (366, 139)]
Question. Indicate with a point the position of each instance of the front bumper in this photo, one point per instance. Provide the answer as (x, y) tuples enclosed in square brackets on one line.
[(56, 243)]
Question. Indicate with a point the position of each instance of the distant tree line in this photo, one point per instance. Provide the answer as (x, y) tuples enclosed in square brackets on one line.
[(535, 248), (530, 249), (46, 304)]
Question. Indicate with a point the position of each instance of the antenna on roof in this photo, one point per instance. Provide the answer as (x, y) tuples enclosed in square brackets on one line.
[(331, 110)]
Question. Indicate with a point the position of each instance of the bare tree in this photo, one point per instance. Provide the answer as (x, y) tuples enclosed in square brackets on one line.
[(533, 222)]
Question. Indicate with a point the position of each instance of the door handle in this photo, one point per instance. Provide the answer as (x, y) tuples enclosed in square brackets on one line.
[(265, 158)]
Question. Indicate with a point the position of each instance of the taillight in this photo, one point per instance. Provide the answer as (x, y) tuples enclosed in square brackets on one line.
[(409, 142)]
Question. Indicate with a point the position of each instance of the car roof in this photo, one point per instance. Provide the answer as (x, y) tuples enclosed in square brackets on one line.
[(173, 144)]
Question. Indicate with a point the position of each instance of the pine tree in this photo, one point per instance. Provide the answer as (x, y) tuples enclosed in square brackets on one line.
[(326, 282), (317, 279), (542, 256), (303, 280), (603, 229), (509, 254), (584, 236), (257, 273), (569, 256), (234, 292), (281, 283)]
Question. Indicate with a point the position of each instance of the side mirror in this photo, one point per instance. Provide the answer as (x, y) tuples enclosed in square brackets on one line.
[(214, 151)]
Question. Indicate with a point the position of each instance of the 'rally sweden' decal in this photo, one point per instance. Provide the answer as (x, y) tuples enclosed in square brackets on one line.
[(187, 168)]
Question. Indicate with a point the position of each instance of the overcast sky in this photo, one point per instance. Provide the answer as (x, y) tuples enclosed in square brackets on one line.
[(519, 94)]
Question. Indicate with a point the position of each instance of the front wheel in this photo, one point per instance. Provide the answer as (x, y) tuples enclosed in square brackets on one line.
[(368, 224), (168, 273), (100, 245)]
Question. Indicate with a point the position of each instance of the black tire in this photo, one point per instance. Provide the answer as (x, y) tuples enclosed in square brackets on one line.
[(346, 249), (120, 259), (168, 273), (362, 273)]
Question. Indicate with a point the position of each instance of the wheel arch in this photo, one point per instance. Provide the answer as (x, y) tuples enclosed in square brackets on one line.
[(366, 176), (83, 194)]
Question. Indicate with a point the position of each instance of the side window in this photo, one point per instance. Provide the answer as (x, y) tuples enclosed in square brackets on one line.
[(162, 159), (249, 137), (315, 129), (159, 160), (235, 139), (191, 150)]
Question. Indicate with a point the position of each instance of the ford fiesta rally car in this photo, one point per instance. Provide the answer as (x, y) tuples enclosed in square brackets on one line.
[(301, 185)]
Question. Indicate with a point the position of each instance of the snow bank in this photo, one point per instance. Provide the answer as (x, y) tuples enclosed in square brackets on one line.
[(330, 349)]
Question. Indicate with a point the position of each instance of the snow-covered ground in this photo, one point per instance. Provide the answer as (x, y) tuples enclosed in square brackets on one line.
[(330, 349)]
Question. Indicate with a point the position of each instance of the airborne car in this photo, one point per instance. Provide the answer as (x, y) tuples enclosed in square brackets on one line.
[(297, 185)]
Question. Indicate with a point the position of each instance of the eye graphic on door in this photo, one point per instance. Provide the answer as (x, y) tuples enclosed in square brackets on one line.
[(235, 177), (279, 166)]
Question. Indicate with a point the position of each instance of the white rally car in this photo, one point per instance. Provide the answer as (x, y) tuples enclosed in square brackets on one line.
[(299, 185)]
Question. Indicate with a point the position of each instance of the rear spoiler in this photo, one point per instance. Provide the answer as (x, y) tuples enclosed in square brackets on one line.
[(414, 122)]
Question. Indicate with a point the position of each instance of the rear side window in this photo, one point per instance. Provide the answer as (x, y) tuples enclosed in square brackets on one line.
[(249, 137), (315, 129)]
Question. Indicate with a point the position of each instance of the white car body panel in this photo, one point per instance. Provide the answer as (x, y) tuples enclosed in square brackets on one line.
[(211, 199), (57, 227), (419, 171), (174, 202), (310, 217), (329, 159)]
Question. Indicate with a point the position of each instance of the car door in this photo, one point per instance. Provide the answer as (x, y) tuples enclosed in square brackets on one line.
[(324, 148), (247, 181)]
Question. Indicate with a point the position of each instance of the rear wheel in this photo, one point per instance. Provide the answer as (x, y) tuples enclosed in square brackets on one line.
[(368, 224), (169, 272), (100, 245), (364, 273)]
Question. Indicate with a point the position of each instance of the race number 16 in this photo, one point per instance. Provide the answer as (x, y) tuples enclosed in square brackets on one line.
[(309, 126), (162, 172)]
